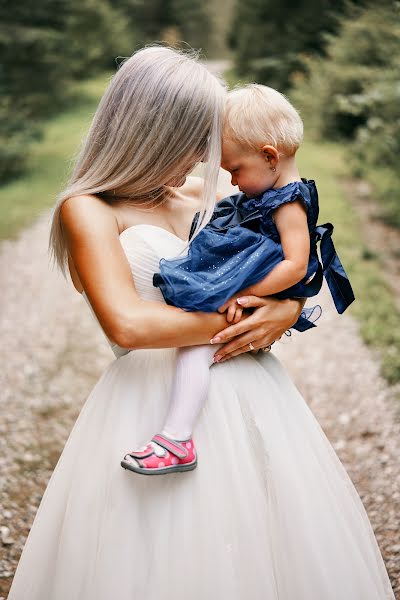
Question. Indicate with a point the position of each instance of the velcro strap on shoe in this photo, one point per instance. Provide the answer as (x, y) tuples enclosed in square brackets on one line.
[(148, 451), (172, 446)]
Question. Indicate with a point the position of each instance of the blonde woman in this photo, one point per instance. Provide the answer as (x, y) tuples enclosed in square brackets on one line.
[(277, 518)]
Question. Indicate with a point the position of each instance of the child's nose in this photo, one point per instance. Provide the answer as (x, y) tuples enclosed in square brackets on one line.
[(233, 180)]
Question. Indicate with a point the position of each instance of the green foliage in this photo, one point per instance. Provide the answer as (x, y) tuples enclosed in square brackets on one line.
[(175, 21), (375, 307), (193, 22), (270, 38), (148, 18), (44, 46), (96, 33), (29, 76), (354, 95), (24, 199), (47, 44), (357, 78)]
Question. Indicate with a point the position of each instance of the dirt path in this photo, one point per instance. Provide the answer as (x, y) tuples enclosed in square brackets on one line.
[(52, 352)]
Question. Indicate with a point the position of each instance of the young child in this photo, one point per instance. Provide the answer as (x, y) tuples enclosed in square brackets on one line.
[(262, 242)]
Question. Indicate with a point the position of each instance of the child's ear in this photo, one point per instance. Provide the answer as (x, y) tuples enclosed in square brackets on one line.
[(271, 155)]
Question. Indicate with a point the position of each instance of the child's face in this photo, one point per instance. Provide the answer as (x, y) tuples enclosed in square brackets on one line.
[(249, 169)]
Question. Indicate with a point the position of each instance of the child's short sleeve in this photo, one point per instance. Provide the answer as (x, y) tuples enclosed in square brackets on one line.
[(272, 199), (294, 193)]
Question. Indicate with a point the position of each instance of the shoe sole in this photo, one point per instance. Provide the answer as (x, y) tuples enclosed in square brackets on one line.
[(161, 471)]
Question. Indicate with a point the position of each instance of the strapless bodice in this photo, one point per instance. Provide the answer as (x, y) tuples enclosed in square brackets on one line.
[(144, 245)]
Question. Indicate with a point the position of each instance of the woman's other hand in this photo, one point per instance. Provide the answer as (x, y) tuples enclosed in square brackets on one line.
[(267, 323)]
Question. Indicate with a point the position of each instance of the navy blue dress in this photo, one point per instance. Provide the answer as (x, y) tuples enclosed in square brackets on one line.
[(241, 245)]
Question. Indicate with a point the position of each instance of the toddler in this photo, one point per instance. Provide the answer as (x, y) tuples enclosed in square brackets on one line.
[(262, 241)]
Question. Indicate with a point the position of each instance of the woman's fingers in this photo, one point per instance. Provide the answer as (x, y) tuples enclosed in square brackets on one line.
[(243, 350), (245, 324), (257, 338), (225, 353), (233, 330), (252, 301)]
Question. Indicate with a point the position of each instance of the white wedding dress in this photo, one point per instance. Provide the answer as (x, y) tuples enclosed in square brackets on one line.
[(269, 513)]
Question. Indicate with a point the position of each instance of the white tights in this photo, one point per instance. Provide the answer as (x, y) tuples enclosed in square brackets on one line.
[(189, 390)]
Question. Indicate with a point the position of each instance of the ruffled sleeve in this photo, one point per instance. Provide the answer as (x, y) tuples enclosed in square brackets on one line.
[(272, 199), (269, 201)]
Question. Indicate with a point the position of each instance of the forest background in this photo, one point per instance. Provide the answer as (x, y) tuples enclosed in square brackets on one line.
[(338, 61)]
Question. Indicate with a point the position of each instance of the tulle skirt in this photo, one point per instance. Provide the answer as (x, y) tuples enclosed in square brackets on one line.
[(269, 513)]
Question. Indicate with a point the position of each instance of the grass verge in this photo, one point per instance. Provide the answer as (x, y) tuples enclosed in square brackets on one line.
[(375, 307), (22, 200)]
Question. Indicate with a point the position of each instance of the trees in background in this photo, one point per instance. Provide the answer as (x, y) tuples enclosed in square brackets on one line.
[(185, 21), (43, 47), (353, 95), (47, 44), (31, 45), (270, 39)]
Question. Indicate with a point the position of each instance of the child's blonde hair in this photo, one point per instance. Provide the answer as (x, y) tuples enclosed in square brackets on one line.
[(257, 115), (161, 107)]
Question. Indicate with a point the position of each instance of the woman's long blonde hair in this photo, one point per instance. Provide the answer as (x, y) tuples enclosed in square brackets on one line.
[(161, 107)]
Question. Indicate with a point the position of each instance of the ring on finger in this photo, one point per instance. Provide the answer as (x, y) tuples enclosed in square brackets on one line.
[(251, 346)]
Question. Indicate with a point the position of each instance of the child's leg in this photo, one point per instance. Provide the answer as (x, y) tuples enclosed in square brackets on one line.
[(189, 390), (173, 450)]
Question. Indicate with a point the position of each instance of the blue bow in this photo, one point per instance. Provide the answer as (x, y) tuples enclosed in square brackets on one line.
[(334, 273)]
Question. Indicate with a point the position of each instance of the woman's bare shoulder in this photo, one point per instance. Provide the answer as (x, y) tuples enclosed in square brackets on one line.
[(81, 212)]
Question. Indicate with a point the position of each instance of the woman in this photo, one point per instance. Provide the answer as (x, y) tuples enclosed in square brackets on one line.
[(278, 518)]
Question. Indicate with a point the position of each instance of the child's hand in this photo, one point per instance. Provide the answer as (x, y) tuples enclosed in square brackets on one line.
[(233, 310)]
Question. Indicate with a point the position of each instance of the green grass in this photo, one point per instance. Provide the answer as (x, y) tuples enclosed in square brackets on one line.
[(385, 189), (23, 200), (374, 307)]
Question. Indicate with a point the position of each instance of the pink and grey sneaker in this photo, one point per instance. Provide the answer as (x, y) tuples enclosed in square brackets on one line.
[(162, 455)]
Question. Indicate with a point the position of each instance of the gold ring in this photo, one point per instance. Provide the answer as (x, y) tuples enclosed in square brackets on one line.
[(251, 346), (266, 349)]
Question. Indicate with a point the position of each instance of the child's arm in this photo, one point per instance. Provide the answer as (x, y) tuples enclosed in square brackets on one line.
[(291, 223)]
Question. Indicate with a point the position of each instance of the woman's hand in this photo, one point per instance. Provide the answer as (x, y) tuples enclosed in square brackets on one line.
[(268, 322)]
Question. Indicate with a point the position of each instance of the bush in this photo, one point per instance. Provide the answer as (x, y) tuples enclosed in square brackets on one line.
[(353, 95), (270, 38), (44, 46)]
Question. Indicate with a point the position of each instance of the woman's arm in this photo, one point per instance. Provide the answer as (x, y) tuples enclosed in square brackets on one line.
[(92, 234)]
